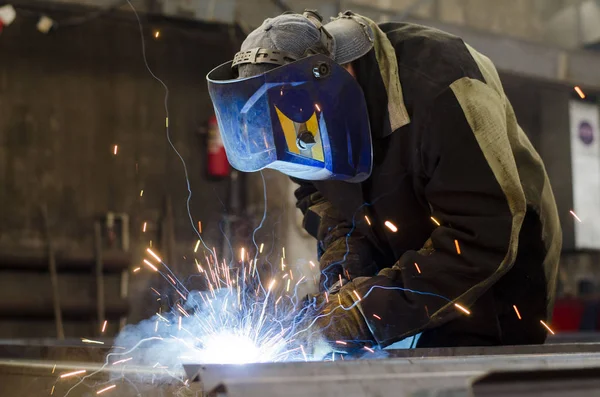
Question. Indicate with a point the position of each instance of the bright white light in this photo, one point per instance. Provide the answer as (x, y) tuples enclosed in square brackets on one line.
[(229, 348)]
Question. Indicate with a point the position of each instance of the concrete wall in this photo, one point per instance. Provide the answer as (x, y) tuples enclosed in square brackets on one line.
[(67, 98), (523, 19), (533, 20)]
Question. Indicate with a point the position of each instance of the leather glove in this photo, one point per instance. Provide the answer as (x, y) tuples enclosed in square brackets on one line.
[(333, 324), (346, 258), (342, 251)]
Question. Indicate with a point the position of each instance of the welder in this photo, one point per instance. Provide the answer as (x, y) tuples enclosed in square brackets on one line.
[(433, 213)]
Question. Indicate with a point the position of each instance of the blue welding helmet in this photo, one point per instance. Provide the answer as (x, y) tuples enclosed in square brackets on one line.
[(307, 119)]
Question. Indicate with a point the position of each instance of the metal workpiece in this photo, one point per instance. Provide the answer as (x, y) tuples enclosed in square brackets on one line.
[(464, 375), (27, 378), (33, 369)]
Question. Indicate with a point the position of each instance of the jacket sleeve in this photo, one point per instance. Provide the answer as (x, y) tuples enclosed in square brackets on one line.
[(475, 194), (342, 251)]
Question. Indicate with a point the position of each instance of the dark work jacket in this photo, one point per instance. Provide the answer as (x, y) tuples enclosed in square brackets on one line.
[(463, 162)]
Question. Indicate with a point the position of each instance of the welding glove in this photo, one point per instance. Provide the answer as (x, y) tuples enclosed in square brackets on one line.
[(335, 324), (343, 253)]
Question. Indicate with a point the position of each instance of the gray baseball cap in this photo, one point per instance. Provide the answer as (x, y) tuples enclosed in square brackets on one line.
[(289, 37)]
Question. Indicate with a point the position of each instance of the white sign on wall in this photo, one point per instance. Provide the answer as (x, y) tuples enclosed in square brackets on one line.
[(585, 162)]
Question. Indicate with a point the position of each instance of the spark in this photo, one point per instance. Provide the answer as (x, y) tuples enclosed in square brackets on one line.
[(457, 247), (341, 342), (287, 289), (341, 281), (575, 215), (312, 264), (150, 265), (317, 107), (369, 349), (547, 327), (155, 291), (418, 269), (197, 245), (122, 361), (156, 34), (283, 252), (517, 311), (115, 149), (153, 254), (104, 326), (167, 122), (164, 319), (262, 245), (357, 295), (144, 227), (92, 341), (242, 252), (462, 308), (579, 92), (326, 297), (368, 220), (52, 391), (435, 221), (106, 389), (54, 368), (171, 279), (141, 192), (271, 284), (137, 269), (180, 322), (376, 316), (180, 294), (303, 353), (199, 227), (391, 226), (68, 374)]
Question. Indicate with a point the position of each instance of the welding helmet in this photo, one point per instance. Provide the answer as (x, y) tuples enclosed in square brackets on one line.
[(306, 118)]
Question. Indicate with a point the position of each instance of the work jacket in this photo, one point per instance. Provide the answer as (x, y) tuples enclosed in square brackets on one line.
[(457, 224)]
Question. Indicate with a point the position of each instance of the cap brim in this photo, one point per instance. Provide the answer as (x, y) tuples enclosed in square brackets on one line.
[(352, 38)]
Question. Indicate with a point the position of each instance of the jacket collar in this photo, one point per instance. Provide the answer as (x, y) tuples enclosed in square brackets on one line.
[(378, 72)]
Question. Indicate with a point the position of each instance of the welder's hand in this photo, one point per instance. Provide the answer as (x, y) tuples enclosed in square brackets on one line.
[(342, 250), (334, 323), (345, 257)]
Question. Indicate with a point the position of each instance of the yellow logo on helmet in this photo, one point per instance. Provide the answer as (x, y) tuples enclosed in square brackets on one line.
[(296, 132)]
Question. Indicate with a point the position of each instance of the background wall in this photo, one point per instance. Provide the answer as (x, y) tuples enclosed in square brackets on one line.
[(66, 99), (532, 20)]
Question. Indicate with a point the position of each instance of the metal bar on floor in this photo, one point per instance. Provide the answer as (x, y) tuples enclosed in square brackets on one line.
[(60, 330), (99, 272)]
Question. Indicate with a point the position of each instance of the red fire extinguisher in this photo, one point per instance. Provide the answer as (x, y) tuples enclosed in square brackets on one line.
[(217, 164)]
